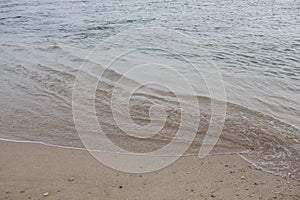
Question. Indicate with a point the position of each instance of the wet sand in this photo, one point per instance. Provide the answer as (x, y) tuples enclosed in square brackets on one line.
[(27, 171)]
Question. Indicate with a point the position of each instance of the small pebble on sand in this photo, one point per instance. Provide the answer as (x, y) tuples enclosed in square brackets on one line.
[(71, 179), (45, 194)]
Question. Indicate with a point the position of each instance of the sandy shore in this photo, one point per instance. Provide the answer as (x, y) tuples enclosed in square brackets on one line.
[(27, 171)]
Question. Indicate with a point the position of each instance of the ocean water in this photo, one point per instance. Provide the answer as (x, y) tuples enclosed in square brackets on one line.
[(252, 46)]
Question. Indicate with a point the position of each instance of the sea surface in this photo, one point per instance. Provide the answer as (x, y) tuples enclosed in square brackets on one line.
[(245, 54)]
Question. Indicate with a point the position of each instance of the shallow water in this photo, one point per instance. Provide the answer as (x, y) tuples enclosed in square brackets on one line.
[(255, 45)]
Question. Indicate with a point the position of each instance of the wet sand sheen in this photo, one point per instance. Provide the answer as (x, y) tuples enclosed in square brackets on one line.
[(47, 116)]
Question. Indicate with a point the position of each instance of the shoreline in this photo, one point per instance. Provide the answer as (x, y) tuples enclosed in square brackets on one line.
[(27, 171), (239, 154)]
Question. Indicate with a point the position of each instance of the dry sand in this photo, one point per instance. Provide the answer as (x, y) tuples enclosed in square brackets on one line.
[(27, 171)]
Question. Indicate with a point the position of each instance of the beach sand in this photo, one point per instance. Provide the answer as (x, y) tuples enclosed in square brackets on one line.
[(27, 171)]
